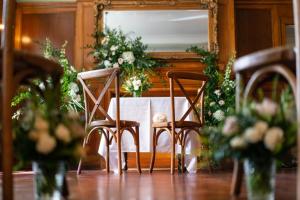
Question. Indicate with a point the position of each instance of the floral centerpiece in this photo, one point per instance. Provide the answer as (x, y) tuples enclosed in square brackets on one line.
[(112, 48), (137, 84), (259, 134)]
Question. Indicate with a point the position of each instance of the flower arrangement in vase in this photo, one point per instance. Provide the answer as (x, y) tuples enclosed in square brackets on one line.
[(259, 134), (48, 137), (137, 84), (112, 48)]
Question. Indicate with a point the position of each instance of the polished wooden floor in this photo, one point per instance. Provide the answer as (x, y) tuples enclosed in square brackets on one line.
[(94, 185)]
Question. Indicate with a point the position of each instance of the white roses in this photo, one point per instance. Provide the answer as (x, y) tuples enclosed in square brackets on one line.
[(128, 57), (45, 142), (259, 132)]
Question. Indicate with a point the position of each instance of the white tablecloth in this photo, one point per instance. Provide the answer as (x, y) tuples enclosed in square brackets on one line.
[(142, 109)]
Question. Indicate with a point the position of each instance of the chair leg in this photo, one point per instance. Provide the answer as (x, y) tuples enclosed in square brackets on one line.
[(80, 161), (107, 155), (137, 137), (126, 161), (237, 178), (173, 155), (119, 153), (182, 158), (153, 150)]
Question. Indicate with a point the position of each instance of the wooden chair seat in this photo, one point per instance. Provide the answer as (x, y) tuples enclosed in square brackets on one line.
[(178, 124), (112, 124)]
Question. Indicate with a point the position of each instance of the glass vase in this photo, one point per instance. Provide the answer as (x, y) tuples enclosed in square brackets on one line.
[(260, 179), (137, 94), (48, 180)]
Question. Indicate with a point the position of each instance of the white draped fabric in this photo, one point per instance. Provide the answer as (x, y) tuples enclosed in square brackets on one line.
[(142, 109)]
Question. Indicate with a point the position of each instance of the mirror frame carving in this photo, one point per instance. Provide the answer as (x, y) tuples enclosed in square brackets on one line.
[(210, 5)]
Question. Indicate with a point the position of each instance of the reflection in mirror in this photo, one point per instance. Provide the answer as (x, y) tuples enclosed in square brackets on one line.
[(163, 30)]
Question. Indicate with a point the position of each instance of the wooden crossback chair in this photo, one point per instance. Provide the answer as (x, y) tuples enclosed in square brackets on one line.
[(183, 127), (260, 66), (109, 127)]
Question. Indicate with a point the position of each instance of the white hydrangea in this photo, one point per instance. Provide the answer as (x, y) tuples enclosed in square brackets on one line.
[(267, 107), (128, 57), (238, 143), (63, 133), (107, 63), (252, 135), (160, 117), (230, 126), (219, 115), (274, 136), (45, 144), (221, 102)]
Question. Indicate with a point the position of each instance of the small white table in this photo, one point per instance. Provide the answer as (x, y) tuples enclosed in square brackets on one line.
[(142, 109)]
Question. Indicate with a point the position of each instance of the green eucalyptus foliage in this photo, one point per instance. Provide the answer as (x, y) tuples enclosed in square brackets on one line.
[(71, 98)]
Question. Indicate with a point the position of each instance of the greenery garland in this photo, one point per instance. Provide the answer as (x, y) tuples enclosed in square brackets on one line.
[(220, 89)]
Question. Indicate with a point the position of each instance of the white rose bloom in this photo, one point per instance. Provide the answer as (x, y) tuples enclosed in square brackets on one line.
[(120, 61), (63, 133), (261, 126), (116, 65), (252, 135), (230, 126), (73, 86), (160, 117), (267, 107), (274, 136), (136, 84), (221, 102), (114, 48), (45, 144), (217, 92), (238, 143), (40, 124), (219, 115), (128, 56), (107, 63)]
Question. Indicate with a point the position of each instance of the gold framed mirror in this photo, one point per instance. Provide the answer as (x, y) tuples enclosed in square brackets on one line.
[(167, 27)]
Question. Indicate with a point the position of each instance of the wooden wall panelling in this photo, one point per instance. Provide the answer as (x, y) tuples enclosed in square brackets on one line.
[(260, 21), (36, 21)]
